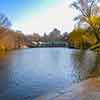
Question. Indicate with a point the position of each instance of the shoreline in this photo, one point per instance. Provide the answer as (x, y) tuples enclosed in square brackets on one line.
[(85, 90)]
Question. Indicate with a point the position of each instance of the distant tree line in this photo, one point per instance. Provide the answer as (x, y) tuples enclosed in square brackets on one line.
[(54, 35)]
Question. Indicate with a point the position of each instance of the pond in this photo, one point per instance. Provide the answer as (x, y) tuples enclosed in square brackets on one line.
[(29, 73)]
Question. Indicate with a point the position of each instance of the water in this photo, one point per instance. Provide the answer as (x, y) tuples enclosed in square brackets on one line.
[(27, 74)]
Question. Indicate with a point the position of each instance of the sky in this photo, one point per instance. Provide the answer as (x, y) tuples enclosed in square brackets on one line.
[(39, 16)]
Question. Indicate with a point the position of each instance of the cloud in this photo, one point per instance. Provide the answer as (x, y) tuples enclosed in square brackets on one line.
[(59, 16)]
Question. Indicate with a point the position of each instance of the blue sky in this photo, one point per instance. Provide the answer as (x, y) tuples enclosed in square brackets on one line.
[(17, 8), (38, 15)]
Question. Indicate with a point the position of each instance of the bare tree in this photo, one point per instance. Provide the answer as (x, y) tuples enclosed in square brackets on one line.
[(88, 8), (4, 21)]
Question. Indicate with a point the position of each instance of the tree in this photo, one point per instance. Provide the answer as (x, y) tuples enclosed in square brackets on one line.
[(88, 10), (36, 37), (44, 38), (54, 35), (65, 36), (4, 21), (20, 39), (81, 38)]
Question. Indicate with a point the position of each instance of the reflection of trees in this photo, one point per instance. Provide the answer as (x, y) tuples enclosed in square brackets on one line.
[(85, 64), (3, 54), (96, 69), (5, 62), (78, 56)]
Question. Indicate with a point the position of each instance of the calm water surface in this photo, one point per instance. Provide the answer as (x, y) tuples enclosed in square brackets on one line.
[(27, 74)]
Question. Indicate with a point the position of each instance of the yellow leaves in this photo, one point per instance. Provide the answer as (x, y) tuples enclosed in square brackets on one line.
[(90, 38), (77, 33), (95, 46), (80, 37), (95, 20)]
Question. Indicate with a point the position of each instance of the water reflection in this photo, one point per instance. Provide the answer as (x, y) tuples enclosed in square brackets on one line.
[(86, 64), (95, 72), (5, 61), (27, 74)]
